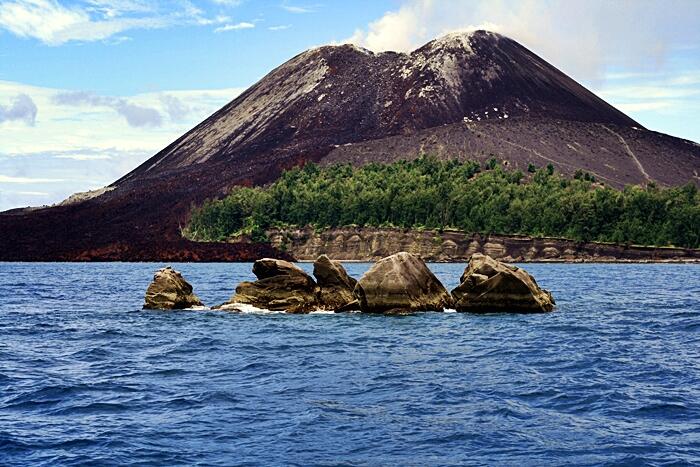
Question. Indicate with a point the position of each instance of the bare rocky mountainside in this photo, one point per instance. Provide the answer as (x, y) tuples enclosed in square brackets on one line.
[(466, 96)]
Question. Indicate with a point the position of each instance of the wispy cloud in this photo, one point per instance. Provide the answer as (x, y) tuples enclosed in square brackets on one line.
[(176, 109), (54, 23), (135, 115), (235, 27), (27, 180), (280, 27), (650, 91), (662, 101), (635, 86), (228, 2), (114, 8), (116, 40), (32, 193), (88, 144), (635, 107), (84, 157), (299, 9), (22, 108)]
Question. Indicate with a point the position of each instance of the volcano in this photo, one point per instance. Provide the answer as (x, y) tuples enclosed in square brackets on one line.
[(465, 95)]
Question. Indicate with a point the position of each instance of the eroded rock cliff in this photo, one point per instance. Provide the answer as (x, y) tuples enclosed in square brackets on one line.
[(372, 244)]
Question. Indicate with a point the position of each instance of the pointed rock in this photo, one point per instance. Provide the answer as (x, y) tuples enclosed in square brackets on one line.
[(488, 285), (335, 285), (400, 283), (170, 291)]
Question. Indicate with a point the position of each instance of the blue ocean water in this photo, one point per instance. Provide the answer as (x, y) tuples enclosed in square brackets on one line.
[(86, 378)]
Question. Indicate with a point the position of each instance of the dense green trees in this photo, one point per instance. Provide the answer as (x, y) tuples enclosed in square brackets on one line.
[(429, 193)]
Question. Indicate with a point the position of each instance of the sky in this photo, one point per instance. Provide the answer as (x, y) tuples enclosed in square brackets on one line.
[(89, 89)]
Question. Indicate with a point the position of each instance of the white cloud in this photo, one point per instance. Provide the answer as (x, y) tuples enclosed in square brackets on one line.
[(216, 20), (22, 108), (690, 78), (175, 108), (32, 193), (135, 115), (116, 40), (660, 94), (84, 157), (228, 2), (234, 27), (635, 107), (114, 8), (88, 146), (280, 27), (27, 180), (297, 9), (20, 198), (581, 37), (139, 116), (53, 23), (649, 91), (79, 119)]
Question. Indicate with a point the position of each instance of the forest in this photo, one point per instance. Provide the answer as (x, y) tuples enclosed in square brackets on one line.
[(427, 193)]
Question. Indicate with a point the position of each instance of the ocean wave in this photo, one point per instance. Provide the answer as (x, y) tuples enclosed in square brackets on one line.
[(612, 377)]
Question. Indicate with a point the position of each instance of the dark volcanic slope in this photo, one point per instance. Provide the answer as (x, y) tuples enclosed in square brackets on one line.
[(463, 95), (617, 155), (335, 95)]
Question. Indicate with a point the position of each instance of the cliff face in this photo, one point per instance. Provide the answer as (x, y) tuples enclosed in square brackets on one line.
[(371, 244)]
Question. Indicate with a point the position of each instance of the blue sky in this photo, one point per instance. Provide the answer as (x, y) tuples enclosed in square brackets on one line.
[(91, 88)]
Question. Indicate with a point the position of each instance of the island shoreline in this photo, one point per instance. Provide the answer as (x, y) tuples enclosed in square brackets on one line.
[(368, 244)]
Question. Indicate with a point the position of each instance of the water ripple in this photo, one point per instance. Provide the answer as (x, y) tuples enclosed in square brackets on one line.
[(611, 378)]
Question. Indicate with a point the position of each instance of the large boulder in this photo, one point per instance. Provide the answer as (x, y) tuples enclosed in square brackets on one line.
[(170, 291), (400, 283), (281, 286), (488, 285), (335, 285)]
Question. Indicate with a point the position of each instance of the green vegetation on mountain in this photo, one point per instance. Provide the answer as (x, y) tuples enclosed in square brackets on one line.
[(435, 194)]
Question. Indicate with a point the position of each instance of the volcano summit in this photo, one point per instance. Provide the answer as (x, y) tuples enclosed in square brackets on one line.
[(465, 95)]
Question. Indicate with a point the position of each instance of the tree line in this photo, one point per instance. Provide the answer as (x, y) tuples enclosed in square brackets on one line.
[(437, 194)]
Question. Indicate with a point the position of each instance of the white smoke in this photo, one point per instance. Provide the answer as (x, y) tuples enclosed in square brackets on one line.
[(582, 37)]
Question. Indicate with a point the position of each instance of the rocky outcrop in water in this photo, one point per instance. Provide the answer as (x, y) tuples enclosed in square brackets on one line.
[(281, 286), (400, 283), (335, 286), (170, 291), (488, 285)]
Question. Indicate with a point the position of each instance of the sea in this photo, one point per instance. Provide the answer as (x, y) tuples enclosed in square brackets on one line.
[(611, 377)]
